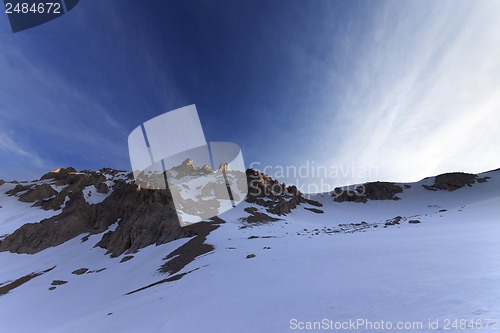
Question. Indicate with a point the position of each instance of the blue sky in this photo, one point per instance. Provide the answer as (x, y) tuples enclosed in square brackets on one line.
[(403, 89)]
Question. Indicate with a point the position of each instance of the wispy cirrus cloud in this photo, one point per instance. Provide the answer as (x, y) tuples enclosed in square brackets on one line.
[(19, 162), (424, 95), (410, 89), (7, 144)]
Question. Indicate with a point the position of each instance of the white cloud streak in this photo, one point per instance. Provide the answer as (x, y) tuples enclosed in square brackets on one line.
[(425, 97), (27, 163)]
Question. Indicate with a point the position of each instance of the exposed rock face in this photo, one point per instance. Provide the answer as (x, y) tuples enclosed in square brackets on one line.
[(56, 202), (126, 258), (103, 188), (109, 171), (2, 182), (80, 271), (393, 221), (38, 192), (315, 210), (382, 191), (187, 168), (45, 196), (58, 173), (18, 188), (6, 287), (34, 237), (267, 192), (257, 217), (145, 216), (343, 195), (453, 181), (182, 256), (224, 167), (58, 282), (368, 191)]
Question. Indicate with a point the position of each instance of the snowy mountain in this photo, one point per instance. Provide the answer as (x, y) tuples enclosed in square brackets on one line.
[(90, 251)]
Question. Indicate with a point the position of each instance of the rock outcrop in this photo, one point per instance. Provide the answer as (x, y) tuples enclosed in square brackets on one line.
[(144, 217), (368, 191), (453, 181), (188, 168), (38, 192), (18, 188), (257, 217), (278, 198), (58, 173)]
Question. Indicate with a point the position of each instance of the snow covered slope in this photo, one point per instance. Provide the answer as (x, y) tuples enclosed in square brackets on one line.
[(429, 257)]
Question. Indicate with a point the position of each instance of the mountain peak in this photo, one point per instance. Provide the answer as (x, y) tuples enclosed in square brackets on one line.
[(224, 167), (188, 161)]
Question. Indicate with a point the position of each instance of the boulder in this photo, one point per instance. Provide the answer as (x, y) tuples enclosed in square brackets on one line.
[(393, 221), (58, 282)]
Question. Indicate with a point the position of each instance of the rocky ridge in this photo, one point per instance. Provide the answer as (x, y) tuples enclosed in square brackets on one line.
[(276, 197), (368, 191), (454, 180), (142, 216)]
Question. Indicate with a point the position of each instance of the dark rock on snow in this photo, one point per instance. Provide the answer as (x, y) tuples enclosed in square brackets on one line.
[(38, 192), (126, 258), (58, 282), (368, 191), (145, 216), (453, 181), (80, 271), (267, 192)]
